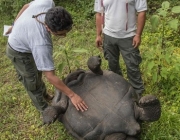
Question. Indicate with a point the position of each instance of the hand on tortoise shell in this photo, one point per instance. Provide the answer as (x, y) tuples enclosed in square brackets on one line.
[(78, 103)]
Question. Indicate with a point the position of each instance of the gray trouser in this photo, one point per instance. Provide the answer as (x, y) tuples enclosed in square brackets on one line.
[(30, 77), (112, 49)]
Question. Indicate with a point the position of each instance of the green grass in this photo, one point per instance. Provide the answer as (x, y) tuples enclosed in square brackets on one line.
[(19, 120)]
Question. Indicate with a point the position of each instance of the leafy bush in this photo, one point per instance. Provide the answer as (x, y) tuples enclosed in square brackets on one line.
[(162, 63), (84, 8), (11, 8)]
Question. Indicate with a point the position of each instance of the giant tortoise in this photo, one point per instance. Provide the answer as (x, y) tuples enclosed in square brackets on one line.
[(114, 112)]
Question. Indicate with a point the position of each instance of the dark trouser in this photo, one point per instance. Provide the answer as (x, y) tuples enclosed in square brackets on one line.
[(112, 49), (30, 77)]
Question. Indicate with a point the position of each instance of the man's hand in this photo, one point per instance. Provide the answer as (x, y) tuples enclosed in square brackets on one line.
[(78, 103), (75, 99), (99, 41), (136, 41), (9, 30)]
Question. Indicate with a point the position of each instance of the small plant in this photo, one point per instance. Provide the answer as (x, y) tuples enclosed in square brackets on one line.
[(165, 17), (69, 58)]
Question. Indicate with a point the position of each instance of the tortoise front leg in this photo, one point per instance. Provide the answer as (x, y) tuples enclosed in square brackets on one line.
[(58, 107)]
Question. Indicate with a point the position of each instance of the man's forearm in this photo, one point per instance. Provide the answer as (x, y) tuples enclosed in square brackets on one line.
[(98, 24), (54, 80), (140, 22)]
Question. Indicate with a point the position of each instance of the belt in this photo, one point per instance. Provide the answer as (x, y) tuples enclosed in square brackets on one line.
[(17, 51)]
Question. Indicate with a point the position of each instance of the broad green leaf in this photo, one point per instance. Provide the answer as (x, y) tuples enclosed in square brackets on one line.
[(165, 5), (61, 67), (80, 50), (154, 77), (172, 77), (176, 9), (162, 13), (150, 65), (154, 20), (159, 78), (164, 73), (160, 9), (167, 58), (173, 24), (177, 66)]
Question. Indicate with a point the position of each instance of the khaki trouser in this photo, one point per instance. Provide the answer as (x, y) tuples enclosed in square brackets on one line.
[(30, 77), (113, 47)]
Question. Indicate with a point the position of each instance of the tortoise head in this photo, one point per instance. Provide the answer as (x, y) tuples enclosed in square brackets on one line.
[(50, 114), (94, 64)]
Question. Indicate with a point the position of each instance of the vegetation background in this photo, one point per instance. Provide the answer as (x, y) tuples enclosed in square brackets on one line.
[(160, 50)]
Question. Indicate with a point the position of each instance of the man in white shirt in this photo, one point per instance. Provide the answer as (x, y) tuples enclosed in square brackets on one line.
[(30, 49), (122, 23)]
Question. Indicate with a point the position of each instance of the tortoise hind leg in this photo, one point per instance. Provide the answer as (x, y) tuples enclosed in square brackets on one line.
[(149, 108), (119, 136)]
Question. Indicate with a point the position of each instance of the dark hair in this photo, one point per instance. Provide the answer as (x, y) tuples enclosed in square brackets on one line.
[(58, 19)]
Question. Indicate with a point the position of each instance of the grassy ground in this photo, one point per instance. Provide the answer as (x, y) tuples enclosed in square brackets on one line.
[(19, 120)]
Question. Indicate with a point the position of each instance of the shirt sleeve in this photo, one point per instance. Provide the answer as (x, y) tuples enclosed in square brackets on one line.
[(98, 6), (141, 5), (43, 56)]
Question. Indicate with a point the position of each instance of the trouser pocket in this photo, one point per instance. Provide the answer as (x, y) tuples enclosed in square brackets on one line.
[(135, 59), (30, 83)]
